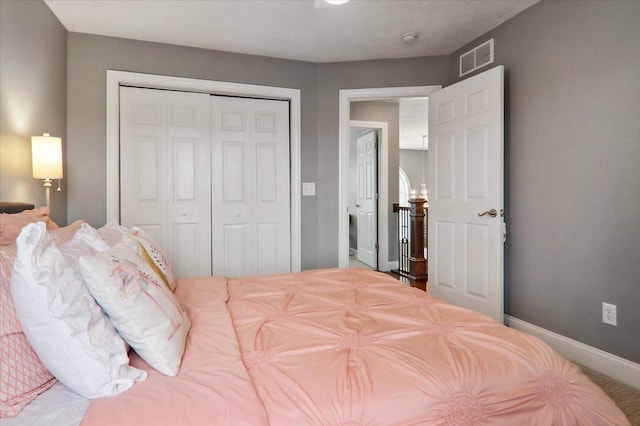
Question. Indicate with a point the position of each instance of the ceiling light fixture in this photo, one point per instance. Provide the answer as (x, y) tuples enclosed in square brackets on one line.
[(336, 2), (409, 37)]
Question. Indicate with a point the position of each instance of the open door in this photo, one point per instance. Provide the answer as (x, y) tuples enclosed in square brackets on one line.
[(466, 193), (367, 199)]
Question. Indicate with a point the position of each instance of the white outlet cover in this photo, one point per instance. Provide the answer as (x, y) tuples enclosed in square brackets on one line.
[(609, 314), (308, 189)]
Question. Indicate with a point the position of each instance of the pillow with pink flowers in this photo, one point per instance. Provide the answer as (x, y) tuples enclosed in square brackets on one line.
[(141, 307), (146, 247)]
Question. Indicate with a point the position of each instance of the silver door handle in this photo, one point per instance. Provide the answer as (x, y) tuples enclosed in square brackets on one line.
[(492, 213), (358, 205)]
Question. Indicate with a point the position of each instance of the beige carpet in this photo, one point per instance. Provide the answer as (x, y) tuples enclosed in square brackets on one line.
[(627, 398)]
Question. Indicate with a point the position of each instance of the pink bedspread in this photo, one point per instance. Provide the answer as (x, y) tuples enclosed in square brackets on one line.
[(212, 387), (352, 347)]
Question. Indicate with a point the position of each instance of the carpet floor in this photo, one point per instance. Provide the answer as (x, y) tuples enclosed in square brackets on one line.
[(626, 397)]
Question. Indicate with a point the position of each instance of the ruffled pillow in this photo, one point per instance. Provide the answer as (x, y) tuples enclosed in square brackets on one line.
[(64, 325), (23, 375)]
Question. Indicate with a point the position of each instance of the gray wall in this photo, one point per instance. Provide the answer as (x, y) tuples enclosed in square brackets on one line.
[(89, 59), (33, 87), (573, 168), (386, 112), (356, 75), (411, 161), (90, 56)]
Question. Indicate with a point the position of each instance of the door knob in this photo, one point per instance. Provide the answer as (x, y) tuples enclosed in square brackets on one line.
[(492, 213)]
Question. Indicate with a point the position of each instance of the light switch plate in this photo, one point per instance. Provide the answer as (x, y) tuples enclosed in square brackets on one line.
[(308, 188)]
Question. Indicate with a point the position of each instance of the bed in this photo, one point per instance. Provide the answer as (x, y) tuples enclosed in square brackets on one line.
[(341, 347)]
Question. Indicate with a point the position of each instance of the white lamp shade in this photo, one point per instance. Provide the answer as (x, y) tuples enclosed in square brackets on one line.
[(46, 157)]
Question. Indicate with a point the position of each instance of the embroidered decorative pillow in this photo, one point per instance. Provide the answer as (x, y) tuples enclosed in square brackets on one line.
[(146, 247), (11, 224), (64, 325), (151, 252), (141, 307)]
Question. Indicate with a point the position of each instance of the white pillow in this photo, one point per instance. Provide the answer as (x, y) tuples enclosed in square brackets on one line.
[(141, 307), (146, 247), (61, 320)]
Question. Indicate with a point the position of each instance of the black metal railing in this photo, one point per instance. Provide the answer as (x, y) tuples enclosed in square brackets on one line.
[(404, 236)]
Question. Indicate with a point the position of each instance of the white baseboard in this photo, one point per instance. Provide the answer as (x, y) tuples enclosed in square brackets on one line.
[(353, 252), (389, 266), (612, 365)]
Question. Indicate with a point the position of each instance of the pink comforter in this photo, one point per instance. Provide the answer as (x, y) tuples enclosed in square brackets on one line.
[(352, 347)]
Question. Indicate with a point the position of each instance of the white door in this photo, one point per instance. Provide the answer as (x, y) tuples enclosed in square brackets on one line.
[(367, 225), (250, 186), (466, 127), (165, 185)]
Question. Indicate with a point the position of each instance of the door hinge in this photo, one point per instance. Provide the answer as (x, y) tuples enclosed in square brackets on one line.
[(377, 195), (377, 246)]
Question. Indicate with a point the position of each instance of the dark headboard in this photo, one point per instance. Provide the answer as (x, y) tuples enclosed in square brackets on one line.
[(14, 207)]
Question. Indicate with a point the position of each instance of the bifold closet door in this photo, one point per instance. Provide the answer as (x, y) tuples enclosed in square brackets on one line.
[(250, 186), (165, 178)]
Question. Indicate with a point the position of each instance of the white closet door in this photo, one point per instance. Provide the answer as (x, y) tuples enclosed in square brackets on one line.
[(165, 173), (250, 186)]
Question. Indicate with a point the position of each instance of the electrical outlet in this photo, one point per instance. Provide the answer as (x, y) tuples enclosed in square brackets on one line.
[(609, 315)]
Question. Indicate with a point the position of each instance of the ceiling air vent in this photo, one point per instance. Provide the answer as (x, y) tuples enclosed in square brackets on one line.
[(476, 58)]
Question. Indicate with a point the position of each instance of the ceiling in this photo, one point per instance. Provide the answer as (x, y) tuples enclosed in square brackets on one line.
[(306, 30)]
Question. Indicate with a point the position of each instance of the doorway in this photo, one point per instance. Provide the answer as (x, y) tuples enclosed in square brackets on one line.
[(355, 95)]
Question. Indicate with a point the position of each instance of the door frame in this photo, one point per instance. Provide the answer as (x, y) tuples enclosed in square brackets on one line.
[(115, 79), (346, 97), (382, 176)]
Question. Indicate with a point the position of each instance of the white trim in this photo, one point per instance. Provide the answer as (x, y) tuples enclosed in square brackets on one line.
[(407, 184), (612, 365), (346, 97), (117, 78), (383, 188)]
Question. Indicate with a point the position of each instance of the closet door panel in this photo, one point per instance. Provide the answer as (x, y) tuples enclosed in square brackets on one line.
[(165, 173), (250, 186)]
